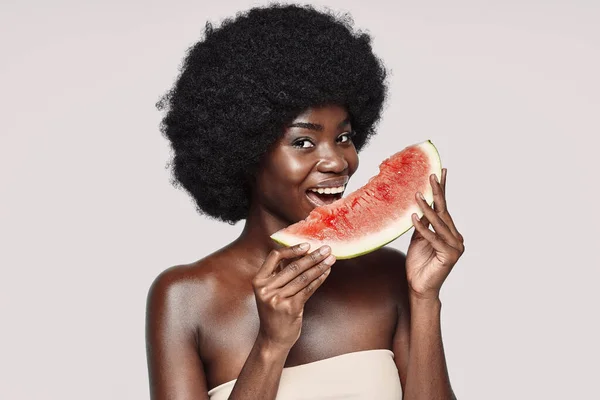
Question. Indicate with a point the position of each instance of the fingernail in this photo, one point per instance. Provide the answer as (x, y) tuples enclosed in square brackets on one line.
[(436, 178), (329, 260), (324, 250), (304, 246), (421, 196)]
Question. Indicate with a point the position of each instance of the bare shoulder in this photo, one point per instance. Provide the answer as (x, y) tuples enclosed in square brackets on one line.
[(386, 267), (176, 302), (176, 281), (388, 262), (181, 288), (390, 257)]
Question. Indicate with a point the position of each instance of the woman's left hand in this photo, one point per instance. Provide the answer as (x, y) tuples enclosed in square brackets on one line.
[(432, 254)]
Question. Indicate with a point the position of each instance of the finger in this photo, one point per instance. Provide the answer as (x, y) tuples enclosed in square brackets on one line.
[(305, 293), (443, 179), (277, 255), (425, 221), (308, 291), (436, 241), (306, 280), (441, 206), (440, 227), (439, 197), (298, 267)]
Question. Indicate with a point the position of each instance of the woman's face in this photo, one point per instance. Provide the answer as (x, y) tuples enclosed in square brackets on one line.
[(309, 165)]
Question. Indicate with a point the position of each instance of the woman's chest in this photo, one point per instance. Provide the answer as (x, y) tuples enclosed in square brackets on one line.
[(336, 320)]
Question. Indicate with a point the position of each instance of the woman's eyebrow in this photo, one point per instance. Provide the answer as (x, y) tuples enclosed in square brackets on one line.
[(316, 127)]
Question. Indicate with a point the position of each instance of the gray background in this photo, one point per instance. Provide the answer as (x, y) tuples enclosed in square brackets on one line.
[(507, 90)]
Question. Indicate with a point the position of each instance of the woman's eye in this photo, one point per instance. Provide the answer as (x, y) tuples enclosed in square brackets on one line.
[(346, 137), (303, 144)]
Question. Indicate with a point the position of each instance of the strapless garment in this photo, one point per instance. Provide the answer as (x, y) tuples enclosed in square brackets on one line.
[(369, 375)]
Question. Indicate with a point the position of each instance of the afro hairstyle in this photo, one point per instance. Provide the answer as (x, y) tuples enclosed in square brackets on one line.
[(244, 81)]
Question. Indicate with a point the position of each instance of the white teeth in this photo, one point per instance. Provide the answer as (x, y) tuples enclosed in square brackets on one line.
[(334, 190)]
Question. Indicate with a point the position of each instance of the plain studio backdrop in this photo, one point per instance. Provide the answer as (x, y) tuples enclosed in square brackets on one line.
[(509, 91)]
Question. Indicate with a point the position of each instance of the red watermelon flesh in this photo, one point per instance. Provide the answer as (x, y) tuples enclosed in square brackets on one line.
[(375, 214)]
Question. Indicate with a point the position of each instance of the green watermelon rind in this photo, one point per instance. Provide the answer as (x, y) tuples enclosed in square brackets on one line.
[(349, 256), (289, 239)]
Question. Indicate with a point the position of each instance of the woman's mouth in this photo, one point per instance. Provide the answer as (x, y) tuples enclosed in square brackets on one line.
[(324, 196)]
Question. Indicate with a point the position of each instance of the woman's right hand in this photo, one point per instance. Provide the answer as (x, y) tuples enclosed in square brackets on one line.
[(281, 295)]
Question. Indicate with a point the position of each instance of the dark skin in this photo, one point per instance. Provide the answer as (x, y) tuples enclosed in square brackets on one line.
[(253, 308)]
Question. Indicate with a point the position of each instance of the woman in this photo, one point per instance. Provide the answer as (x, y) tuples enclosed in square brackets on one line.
[(270, 105)]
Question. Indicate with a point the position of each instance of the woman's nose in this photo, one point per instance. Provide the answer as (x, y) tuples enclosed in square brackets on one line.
[(332, 160)]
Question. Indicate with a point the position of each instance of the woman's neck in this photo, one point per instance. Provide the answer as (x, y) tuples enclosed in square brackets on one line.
[(255, 237)]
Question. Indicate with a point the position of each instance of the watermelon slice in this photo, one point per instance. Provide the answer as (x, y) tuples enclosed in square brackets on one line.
[(377, 213)]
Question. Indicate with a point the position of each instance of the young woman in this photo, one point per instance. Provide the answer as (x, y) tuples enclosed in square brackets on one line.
[(270, 105)]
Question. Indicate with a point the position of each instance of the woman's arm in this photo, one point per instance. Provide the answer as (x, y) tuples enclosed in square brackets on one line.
[(430, 257), (417, 346), (259, 378), (280, 298), (420, 353), (174, 367)]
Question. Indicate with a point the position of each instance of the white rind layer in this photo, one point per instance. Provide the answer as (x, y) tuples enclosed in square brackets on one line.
[(370, 242)]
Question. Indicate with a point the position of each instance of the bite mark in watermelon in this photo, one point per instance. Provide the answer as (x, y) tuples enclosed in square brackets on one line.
[(377, 213)]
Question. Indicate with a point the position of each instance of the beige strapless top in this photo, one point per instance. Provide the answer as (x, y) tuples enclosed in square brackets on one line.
[(369, 374)]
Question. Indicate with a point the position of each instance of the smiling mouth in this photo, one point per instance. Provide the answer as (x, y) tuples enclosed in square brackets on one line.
[(324, 196)]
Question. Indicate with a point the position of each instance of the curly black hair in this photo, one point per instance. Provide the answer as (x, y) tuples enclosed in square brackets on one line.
[(241, 84)]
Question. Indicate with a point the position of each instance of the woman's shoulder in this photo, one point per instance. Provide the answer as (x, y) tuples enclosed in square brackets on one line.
[(386, 262), (389, 255), (179, 277), (184, 288), (383, 270)]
